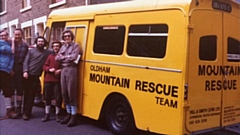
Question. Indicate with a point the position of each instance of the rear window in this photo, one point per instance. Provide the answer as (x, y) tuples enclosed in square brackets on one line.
[(149, 40), (208, 48), (233, 50)]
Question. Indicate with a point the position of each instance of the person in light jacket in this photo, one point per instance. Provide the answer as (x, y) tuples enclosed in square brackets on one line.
[(66, 56), (6, 65)]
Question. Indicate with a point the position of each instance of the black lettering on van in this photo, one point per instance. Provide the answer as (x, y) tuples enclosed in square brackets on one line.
[(151, 87), (174, 91), (117, 82), (157, 88), (97, 68), (219, 85), (212, 85), (166, 102), (234, 84), (231, 84), (138, 85), (231, 71), (144, 86), (201, 70), (225, 85), (110, 80), (207, 85), (209, 70), (218, 70), (167, 91), (97, 78)]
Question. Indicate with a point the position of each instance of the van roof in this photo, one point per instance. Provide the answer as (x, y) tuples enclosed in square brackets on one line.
[(88, 12)]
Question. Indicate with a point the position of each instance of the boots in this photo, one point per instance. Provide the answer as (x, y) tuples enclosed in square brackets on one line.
[(19, 111), (16, 112), (72, 121), (66, 119), (45, 118), (8, 112), (58, 118)]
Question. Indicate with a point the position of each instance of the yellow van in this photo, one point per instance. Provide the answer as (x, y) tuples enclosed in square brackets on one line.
[(163, 66)]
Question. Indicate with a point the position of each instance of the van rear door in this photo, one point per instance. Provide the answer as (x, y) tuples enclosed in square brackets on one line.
[(205, 77), (231, 59)]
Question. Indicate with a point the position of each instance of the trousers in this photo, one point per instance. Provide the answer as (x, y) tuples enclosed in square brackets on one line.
[(30, 88), (69, 85)]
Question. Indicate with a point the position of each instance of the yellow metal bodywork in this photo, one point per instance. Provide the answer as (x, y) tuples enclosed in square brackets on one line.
[(159, 113)]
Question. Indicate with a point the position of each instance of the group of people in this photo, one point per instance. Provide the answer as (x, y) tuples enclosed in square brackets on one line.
[(21, 68)]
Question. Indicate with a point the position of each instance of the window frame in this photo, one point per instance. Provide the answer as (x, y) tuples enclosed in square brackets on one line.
[(233, 56), (27, 32), (4, 10), (27, 7), (98, 48), (59, 3), (202, 53), (149, 34), (55, 33)]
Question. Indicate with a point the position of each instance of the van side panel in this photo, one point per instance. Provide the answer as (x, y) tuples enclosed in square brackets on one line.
[(153, 86)]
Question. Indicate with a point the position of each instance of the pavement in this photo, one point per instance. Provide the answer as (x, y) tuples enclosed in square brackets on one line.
[(85, 126), (34, 126)]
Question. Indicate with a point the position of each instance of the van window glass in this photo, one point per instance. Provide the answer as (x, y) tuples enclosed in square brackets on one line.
[(233, 50), (149, 40), (208, 48), (56, 32), (109, 40)]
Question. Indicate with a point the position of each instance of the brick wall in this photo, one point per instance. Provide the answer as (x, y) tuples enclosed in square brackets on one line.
[(39, 8)]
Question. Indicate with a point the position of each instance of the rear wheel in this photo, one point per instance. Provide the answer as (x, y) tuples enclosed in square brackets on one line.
[(119, 117)]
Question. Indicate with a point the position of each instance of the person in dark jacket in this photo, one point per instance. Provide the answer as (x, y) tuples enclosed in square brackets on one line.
[(32, 70), (52, 87), (20, 49)]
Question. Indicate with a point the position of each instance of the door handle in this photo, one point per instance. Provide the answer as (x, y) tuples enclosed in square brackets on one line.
[(225, 80), (225, 74)]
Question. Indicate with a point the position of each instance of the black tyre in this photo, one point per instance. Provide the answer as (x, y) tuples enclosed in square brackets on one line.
[(119, 117)]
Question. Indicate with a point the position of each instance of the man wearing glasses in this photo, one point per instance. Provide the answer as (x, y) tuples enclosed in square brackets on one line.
[(66, 56)]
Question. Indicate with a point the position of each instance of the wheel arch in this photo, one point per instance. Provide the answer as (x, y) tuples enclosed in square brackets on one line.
[(108, 100)]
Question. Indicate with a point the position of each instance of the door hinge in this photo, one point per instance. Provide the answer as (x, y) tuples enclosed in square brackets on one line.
[(186, 104), (190, 26)]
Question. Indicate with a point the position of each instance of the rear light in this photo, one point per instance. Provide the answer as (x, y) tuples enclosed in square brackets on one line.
[(185, 91)]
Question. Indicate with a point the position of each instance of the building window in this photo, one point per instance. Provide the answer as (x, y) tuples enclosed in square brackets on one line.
[(56, 1), (25, 3), (109, 40), (27, 35), (2, 6), (148, 40), (104, 1), (208, 48)]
